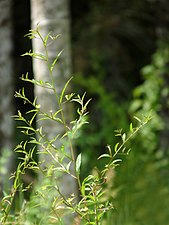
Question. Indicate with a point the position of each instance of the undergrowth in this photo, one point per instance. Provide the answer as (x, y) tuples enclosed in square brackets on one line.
[(48, 204)]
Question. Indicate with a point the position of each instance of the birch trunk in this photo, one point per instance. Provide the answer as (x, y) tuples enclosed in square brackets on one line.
[(6, 94), (53, 16)]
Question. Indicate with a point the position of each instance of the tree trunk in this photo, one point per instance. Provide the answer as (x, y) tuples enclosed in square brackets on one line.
[(6, 93), (53, 16)]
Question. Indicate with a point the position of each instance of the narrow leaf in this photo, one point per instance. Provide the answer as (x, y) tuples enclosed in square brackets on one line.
[(137, 119), (46, 38), (110, 151), (123, 150), (124, 137), (33, 117), (55, 60), (68, 166), (115, 147), (104, 156), (78, 163), (131, 127), (85, 106), (117, 160), (55, 114), (64, 89)]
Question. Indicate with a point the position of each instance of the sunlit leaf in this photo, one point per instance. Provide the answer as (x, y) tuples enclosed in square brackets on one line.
[(131, 127), (55, 60), (78, 163), (116, 147), (139, 120), (124, 137), (64, 89), (104, 156)]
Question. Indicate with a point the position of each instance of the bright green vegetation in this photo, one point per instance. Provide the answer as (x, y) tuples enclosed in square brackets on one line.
[(92, 202)]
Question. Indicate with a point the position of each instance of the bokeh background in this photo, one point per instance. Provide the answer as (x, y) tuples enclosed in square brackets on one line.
[(120, 57)]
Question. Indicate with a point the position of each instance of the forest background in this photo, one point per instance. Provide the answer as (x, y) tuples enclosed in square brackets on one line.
[(119, 53)]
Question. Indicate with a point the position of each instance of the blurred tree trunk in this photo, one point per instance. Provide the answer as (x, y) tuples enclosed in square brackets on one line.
[(6, 92), (53, 16)]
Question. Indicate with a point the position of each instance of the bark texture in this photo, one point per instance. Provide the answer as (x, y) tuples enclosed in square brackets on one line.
[(6, 92), (53, 16)]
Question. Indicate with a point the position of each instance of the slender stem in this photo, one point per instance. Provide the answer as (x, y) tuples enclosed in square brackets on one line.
[(57, 97), (129, 137), (71, 206), (60, 108)]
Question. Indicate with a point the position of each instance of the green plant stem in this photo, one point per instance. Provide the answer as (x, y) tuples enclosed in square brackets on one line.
[(71, 206), (112, 156), (10, 202), (56, 95), (129, 137), (96, 210)]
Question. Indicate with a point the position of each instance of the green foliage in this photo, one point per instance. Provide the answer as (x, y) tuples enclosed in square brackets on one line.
[(142, 182), (48, 203), (152, 96), (106, 115)]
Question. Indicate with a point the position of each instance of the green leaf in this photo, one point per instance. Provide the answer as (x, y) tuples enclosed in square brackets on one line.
[(46, 38), (110, 151), (137, 119), (104, 156), (57, 112), (123, 150), (78, 163), (117, 160), (19, 114), (64, 89), (53, 38), (31, 111), (131, 127), (55, 60), (86, 104), (33, 117), (57, 119), (100, 215), (68, 166), (35, 55), (26, 128), (69, 96), (124, 137), (23, 92), (115, 147)]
